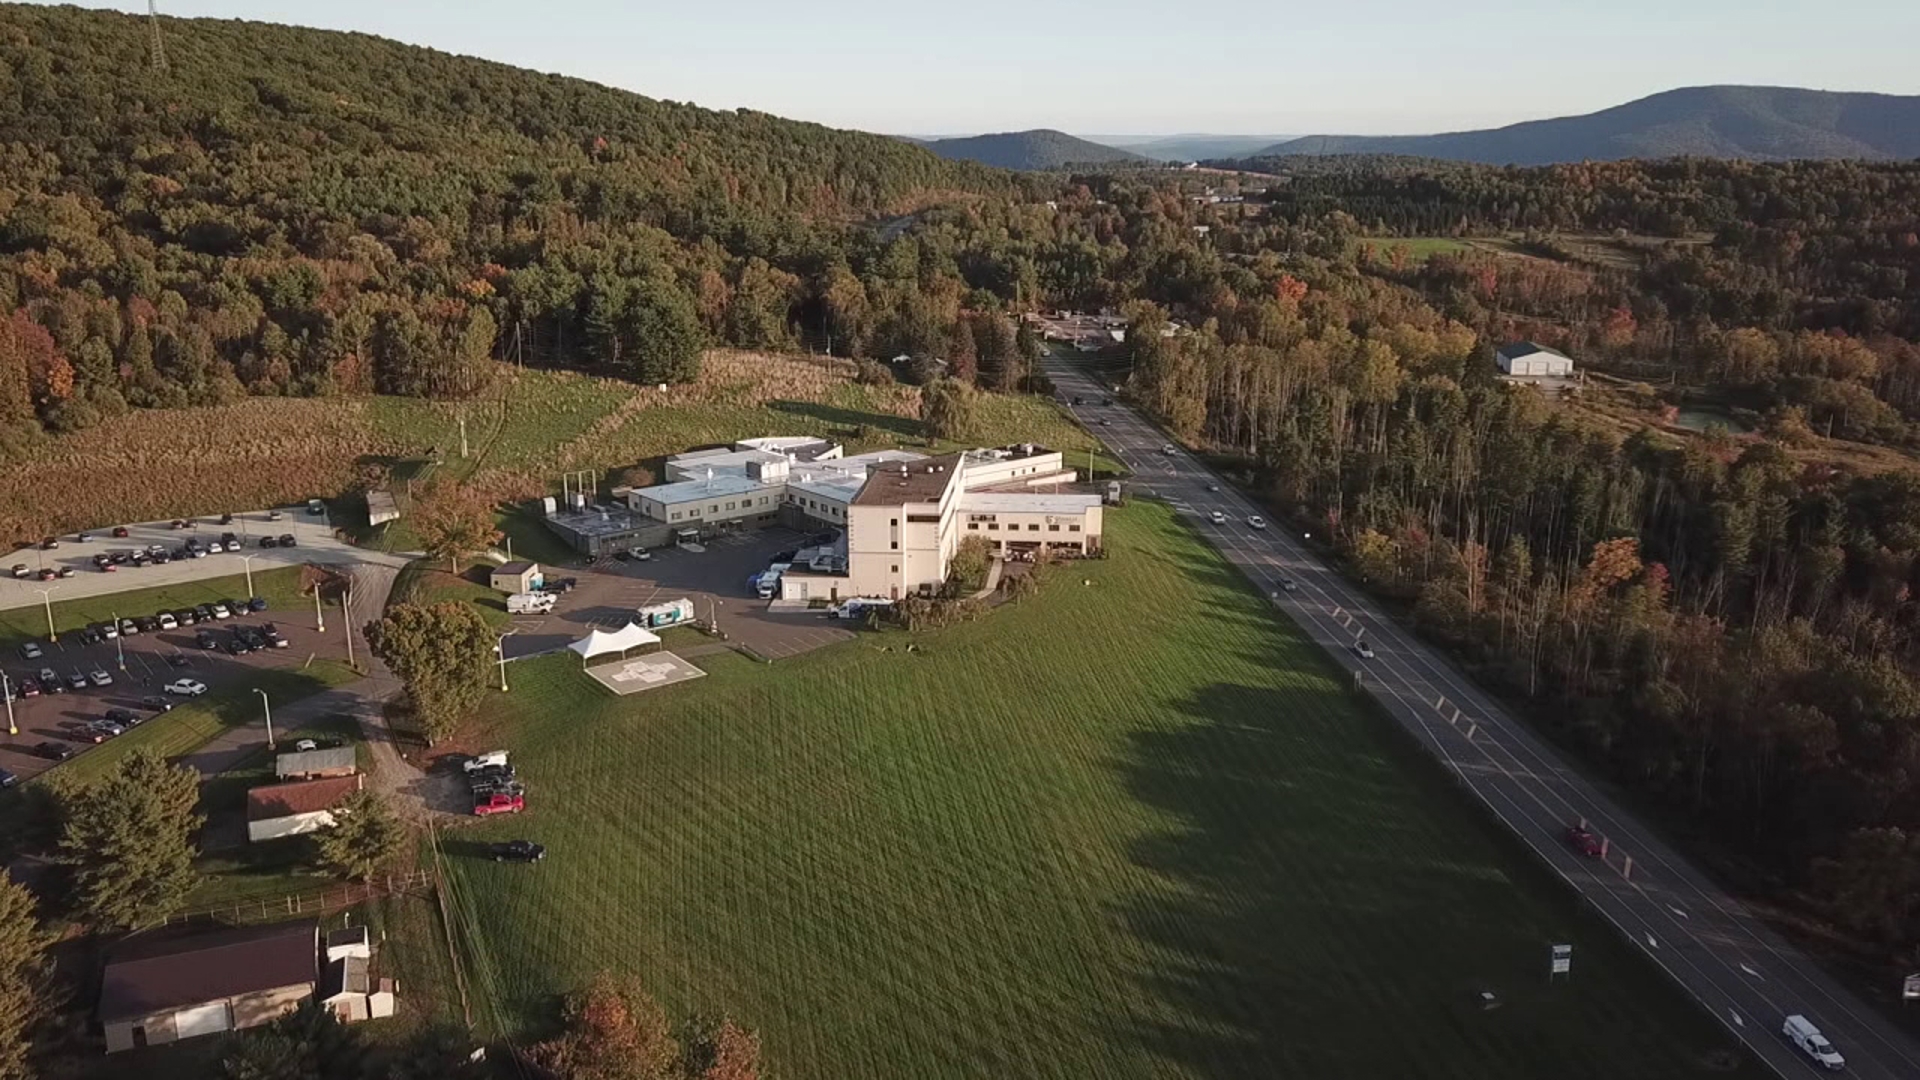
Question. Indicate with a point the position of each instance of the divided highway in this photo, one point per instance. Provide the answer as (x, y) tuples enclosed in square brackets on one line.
[(1723, 955)]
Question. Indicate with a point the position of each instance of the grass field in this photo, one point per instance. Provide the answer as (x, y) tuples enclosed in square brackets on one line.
[(1128, 828), (279, 587), (1419, 248)]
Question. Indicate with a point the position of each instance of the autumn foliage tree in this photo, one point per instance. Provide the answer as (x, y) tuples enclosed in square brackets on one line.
[(444, 654), (615, 1030), (452, 520)]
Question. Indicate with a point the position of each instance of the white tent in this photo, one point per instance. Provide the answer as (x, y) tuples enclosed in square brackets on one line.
[(599, 642)]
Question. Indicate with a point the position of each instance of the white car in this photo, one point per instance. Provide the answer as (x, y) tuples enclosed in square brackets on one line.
[(1256, 522), (492, 759), (188, 687), (215, 547), (99, 677), (220, 611), (168, 622), (305, 745), (1363, 650), (1801, 1032), (1167, 449), (1218, 518)]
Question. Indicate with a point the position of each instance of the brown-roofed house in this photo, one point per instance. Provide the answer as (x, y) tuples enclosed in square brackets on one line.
[(162, 990), (303, 806)]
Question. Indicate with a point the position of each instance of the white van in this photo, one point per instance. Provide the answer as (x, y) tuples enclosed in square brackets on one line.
[(766, 585), (1801, 1032)]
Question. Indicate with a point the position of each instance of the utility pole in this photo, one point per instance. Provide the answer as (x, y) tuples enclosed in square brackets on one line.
[(268, 706), (12, 728)]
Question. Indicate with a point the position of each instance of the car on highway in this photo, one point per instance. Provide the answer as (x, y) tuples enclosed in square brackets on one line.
[(1167, 449), (518, 851), (1581, 839), (1363, 650), (186, 687), (287, 540), (275, 515), (30, 650), (49, 543), (1255, 521), (1218, 517), (1213, 487), (53, 751), (1801, 1033), (99, 677), (1287, 584)]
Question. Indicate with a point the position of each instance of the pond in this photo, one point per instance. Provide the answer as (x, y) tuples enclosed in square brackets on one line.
[(1701, 417)]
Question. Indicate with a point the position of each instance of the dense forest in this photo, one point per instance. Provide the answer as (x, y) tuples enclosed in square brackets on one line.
[(1726, 623)]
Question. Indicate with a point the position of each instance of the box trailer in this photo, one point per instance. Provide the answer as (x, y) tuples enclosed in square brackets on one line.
[(671, 613)]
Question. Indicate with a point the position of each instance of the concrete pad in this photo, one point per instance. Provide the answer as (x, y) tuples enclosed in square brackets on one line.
[(648, 672)]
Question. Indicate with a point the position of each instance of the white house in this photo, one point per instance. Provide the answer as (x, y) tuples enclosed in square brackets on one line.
[(302, 806), (1526, 360)]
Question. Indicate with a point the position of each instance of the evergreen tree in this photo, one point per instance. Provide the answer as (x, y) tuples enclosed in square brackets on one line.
[(129, 837), (444, 654), (366, 837)]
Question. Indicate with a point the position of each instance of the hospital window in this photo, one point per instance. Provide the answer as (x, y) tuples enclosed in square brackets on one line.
[(1034, 527), (1053, 528), (1073, 528)]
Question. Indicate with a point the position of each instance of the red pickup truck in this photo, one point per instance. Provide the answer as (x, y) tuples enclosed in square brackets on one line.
[(498, 803)]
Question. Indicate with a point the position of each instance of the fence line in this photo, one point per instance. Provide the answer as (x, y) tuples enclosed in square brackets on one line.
[(318, 902)]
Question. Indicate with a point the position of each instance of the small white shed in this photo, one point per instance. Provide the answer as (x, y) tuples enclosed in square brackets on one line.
[(1527, 360)]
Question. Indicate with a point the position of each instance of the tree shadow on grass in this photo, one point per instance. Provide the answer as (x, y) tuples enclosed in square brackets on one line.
[(852, 419)]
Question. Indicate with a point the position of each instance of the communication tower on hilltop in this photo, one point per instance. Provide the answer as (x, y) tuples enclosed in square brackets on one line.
[(158, 50)]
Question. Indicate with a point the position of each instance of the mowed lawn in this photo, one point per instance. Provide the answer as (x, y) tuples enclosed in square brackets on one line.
[(1129, 828)]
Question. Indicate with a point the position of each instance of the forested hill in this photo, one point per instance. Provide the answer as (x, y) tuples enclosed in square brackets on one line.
[(80, 83), (1041, 148), (1767, 123)]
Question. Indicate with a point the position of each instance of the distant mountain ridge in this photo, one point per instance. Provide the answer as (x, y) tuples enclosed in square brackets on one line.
[(1041, 148), (1766, 123), (1190, 147)]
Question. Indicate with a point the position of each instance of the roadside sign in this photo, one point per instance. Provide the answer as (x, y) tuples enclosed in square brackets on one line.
[(1910, 988), (1562, 960)]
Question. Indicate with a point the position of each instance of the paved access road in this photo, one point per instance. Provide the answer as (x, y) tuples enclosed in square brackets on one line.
[(1723, 955)]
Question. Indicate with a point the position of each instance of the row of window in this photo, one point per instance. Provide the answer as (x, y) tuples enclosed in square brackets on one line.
[(714, 508), (994, 527)]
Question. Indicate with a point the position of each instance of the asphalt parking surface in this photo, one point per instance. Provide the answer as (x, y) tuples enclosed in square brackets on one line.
[(715, 579), (150, 663)]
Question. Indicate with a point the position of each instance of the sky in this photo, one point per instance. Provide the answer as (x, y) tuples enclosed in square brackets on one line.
[(1148, 67)]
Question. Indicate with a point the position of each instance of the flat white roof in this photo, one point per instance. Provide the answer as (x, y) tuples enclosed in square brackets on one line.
[(721, 486), (729, 461), (837, 487), (875, 457), (989, 502)]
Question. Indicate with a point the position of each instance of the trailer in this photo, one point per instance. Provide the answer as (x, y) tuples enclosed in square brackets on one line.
[(531, 603), (671, 613)]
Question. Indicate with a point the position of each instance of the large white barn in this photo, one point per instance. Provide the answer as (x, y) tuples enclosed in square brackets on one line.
[(1526, 360)]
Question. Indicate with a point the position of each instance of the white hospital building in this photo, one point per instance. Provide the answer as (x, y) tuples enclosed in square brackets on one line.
[(902, 514)]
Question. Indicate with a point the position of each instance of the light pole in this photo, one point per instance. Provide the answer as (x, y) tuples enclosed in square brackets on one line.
[(346, 621), (46, 597), (267, 707), (119, 649), (319, 616), (500, 648), (7, 686), (246, 563)]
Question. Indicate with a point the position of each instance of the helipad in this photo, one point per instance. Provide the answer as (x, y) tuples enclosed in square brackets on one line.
[(648, 672)]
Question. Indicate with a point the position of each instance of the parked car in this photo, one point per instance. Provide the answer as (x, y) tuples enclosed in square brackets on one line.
[(7, 779), (147, 623), (121, 558), (206, 640), (155, 549), (498, 803), (175, 659), (22, 570), (82, 538), (305, 745), (490, 759), (27, 686), (1583, 841), (104, 561), (203, 612), (128, 628), (186, 687), (185, 617), (266, 541), (161, 558), (54, 751), (99, 731), (215, 547), (196, 552), (47, 676), (287, 540), (518, 851), (220, 610), (1213, 487), (49, 543), (77, 680), (65, 572), (46, 573), (90, 636), (30, 650), (257, 604), (124, 717), (274, 637), (316, 507), (100, 677), (167, 621), (156, 703)]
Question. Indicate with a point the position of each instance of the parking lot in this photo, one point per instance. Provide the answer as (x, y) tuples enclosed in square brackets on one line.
[(715, 579), (139, 666), (313, 538)]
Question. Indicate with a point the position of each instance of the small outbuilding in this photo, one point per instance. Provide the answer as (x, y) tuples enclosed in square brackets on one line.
[(302, 806), (162, 990), (516, 577), (1527, 360), (381, 508), (313, 764)]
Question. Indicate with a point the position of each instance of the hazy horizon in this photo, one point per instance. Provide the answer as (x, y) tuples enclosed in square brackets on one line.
[(886, 68)]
